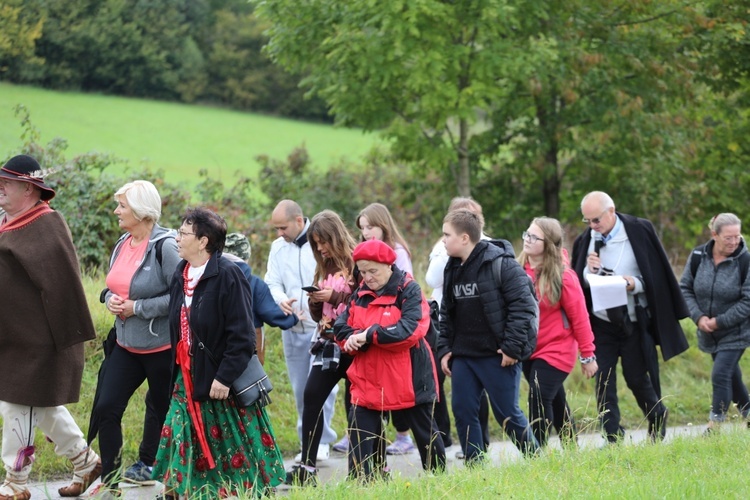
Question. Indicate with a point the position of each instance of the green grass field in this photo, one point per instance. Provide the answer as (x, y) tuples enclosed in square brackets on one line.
[(178, 138)]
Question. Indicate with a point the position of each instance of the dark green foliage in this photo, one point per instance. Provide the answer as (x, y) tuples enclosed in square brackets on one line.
[(187, 50)]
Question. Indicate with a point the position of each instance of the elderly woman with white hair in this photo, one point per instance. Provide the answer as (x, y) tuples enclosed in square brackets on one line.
[(143, 262)]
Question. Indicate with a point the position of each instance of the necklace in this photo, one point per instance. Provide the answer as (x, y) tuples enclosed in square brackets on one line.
[(189, 290)]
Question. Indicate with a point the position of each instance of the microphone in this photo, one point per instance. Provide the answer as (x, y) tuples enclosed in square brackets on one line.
[(598, 244)]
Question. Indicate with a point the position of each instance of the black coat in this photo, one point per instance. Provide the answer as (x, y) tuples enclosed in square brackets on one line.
[(221, 317), (510, 308), (665, 302)]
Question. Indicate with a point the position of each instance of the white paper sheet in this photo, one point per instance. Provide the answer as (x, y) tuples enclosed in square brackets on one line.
[(607, 291)]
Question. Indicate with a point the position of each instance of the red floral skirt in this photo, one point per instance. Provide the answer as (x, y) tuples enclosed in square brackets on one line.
[(241, 441)]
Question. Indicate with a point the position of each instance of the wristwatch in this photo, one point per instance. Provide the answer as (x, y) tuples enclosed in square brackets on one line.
[(585, 361)]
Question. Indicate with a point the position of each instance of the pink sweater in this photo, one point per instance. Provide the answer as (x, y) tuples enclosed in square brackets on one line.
[(556, 344)]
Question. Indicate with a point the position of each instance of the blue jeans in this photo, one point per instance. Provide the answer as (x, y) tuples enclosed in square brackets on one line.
[(726, 378), (470, 377)]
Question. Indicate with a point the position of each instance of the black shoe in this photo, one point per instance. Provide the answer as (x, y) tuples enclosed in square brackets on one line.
[(301, 476), (657, 428)]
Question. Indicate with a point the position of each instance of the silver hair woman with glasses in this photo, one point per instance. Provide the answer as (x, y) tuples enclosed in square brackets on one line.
[(717, 290)]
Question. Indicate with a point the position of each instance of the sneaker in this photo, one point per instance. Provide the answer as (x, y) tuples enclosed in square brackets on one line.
[(401, 446), (301, 475), (324, 452), (342, 446), (138, 473)]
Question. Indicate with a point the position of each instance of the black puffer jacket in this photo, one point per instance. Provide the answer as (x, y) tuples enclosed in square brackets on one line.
[(510, 308)]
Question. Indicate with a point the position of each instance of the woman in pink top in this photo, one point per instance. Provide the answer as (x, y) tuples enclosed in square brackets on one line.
[(141, 268), (564, 330)]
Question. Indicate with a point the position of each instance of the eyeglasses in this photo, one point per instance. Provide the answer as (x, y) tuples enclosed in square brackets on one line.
[(531, 238), (595, 220), (182, 233)]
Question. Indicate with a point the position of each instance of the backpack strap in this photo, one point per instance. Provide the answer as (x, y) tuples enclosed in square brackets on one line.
[(695, 259), (157, 246), (497, 270), (695, 262)]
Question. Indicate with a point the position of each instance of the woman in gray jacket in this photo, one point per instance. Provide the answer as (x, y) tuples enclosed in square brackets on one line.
[(141, 268), (717, 291)]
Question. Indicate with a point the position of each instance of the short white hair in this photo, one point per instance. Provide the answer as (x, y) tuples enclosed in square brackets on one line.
[(603, 198), (143, 199)]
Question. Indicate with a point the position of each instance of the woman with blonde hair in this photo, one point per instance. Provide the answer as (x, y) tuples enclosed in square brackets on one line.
[(141, 267), (332, 247), (564, 329), (376, 223)]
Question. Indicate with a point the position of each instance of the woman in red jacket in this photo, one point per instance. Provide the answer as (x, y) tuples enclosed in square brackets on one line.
[(564, 330), (384, 328)]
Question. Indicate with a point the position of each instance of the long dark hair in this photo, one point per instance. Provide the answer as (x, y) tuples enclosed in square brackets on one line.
[(328, 227)]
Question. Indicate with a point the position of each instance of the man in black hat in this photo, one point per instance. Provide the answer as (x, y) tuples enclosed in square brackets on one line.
[(45, 322)]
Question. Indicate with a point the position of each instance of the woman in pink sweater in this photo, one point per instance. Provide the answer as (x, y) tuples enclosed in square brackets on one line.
[(564, 330)]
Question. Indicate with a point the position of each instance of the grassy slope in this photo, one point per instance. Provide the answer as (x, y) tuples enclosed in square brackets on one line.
[(179, 138)]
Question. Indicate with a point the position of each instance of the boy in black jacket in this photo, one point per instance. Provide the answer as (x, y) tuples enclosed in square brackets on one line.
[(488, 324)]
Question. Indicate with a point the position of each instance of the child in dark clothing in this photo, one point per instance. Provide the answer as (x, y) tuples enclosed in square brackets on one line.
[(488, 325)]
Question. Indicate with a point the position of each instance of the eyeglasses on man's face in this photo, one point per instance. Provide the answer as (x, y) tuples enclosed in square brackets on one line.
[(531, 238), (595, 220)]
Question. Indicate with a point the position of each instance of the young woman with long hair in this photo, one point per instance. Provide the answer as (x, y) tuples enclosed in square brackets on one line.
[(332, 247), (564, 329)]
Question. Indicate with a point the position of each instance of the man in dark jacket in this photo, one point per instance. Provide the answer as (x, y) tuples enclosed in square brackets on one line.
[(622, 245), (488, 325)]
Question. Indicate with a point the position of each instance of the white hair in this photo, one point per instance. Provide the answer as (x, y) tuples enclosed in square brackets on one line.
[(143, 199), (603, 198)]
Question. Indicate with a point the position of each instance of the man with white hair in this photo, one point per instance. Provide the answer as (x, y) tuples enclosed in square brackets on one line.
[(622, 245)]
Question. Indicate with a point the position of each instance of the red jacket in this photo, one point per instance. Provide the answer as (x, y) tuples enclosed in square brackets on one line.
[(561, 338), (395, 369)]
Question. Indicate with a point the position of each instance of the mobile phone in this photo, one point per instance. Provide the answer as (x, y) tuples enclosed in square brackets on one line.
[(311, 288)]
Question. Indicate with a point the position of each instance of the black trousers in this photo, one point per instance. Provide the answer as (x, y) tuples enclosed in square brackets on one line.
[(548, 406), (319, 386), (124, 374), (613, 343), (442, 417), (367, 439)]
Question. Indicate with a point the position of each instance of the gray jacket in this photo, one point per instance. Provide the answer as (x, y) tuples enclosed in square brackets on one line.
[(715, 292), (148, 328)]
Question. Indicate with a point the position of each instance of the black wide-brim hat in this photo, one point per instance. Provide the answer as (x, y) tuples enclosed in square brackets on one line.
[(24, 168)]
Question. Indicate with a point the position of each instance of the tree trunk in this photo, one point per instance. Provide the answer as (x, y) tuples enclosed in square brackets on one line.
[(463, 176), (551, 183)]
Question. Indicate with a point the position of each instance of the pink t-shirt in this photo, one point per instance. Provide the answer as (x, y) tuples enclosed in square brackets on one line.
[(125, 265)]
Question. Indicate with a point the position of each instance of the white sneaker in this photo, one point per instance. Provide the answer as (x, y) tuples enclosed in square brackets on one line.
[(324, 451)]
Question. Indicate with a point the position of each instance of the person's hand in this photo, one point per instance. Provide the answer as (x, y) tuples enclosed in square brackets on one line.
[(354, 342), (445, 364), (590, 369), (218, 390), (593, 263), (287, 306), (321, 296), (128, 308), (507, 360), (114, 304), (630, 286), (707, 324)]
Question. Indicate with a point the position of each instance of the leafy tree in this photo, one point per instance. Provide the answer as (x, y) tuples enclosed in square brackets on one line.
[(18, 36), (535, 90)]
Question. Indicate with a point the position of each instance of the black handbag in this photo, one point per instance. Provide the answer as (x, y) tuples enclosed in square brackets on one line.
[(253, 384)]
